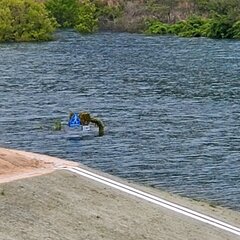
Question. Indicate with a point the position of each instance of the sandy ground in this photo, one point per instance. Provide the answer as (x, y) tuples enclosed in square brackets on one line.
[(16, 164), (60, 205)]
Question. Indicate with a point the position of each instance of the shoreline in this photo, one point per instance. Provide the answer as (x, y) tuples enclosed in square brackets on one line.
[(48, 171)]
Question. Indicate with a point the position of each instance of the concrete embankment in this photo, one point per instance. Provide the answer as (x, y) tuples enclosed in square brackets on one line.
[(63, 205)]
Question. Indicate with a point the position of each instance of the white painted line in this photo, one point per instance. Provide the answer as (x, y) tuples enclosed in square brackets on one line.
[(153, 199)]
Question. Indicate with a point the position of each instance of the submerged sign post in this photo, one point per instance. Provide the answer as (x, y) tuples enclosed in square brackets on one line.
[(74, 121), (76, 129)]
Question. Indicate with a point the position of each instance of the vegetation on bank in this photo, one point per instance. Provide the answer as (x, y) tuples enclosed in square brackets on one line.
[(36, 20), (213, 19), (24, 20), (195, 26), (80, 15)]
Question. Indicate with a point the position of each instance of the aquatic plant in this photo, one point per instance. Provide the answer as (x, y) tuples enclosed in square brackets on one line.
[(100, 125), (57, 125), (86, 118)]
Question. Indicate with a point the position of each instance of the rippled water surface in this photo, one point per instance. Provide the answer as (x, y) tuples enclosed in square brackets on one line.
[(171, 107)]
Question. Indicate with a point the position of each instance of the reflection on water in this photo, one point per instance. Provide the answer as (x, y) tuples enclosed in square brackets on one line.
[(171, 107)]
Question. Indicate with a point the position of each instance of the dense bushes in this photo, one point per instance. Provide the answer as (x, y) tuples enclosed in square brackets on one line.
[(64, 11), (30, 20), (80, 15), (86, 21), (207, 18), (216, 27), (24, 20)]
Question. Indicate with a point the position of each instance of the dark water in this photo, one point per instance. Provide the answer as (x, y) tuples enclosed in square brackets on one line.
[(171, 107)]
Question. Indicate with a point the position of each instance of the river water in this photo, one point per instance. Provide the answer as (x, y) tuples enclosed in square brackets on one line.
[(171, 106)]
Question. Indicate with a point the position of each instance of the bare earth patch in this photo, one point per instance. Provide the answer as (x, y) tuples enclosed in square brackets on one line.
[(16, 164)]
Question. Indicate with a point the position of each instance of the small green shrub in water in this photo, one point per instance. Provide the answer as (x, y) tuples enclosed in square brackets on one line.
[(57, 125)]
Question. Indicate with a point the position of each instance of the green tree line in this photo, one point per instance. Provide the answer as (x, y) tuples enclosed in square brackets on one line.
[(30, 20), (36, 20)]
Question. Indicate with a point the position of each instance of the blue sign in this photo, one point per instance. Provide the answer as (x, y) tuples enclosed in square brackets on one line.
[(74, 121)]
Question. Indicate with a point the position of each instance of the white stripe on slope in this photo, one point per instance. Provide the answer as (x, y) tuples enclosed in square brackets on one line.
[(156, 200)]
